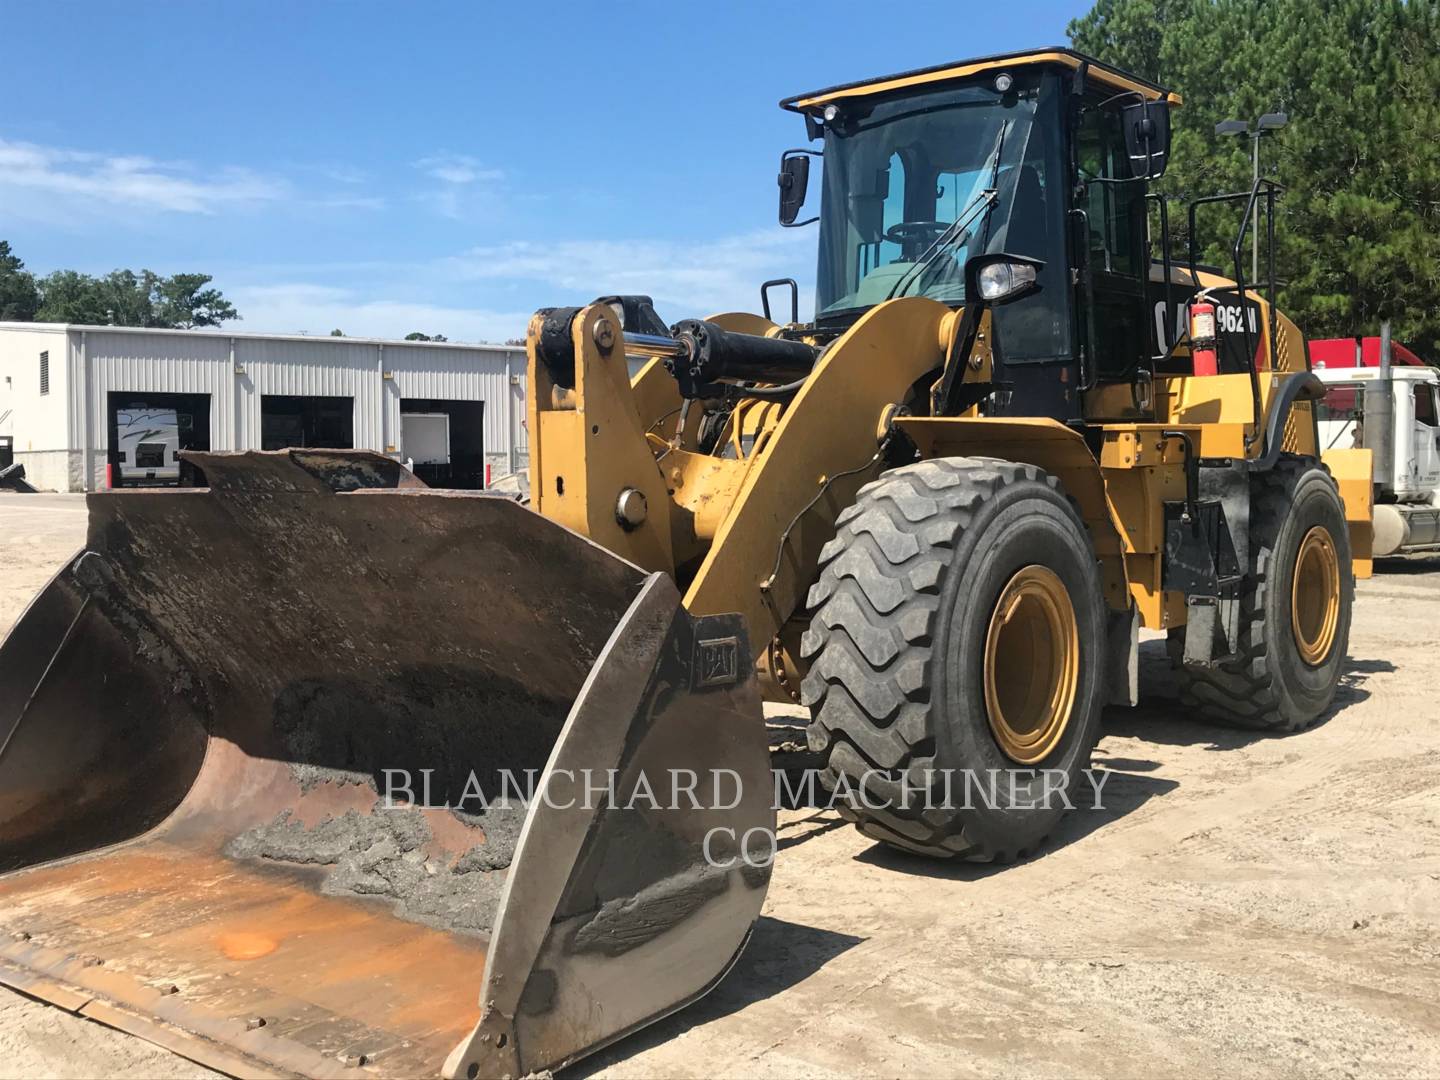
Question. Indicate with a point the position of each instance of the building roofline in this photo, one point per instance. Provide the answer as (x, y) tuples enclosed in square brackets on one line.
[(52, 327)]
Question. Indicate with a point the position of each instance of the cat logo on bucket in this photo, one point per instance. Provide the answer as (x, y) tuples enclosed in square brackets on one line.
[(718, 662)]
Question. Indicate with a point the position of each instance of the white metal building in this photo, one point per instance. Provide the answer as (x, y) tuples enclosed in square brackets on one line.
[(62, 388)]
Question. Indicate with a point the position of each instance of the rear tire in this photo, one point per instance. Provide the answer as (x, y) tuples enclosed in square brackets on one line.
[(908, 656), (1291, 649)]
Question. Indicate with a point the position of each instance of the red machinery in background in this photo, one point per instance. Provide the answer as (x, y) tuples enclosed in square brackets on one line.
[(1352, 352)]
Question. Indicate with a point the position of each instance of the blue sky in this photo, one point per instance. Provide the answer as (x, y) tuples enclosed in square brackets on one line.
[(446, 167)]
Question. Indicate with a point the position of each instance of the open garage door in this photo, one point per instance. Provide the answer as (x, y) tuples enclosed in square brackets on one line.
[(446, 441), (146, 432), (288, 421)]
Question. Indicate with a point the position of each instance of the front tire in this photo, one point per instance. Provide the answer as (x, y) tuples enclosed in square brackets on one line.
[(956, 642), (1295, 614)]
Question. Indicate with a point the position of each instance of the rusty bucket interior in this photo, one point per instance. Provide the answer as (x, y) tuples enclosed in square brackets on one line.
[(268, 759)]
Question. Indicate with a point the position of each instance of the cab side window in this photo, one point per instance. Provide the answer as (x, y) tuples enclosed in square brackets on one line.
[(1114, 210), (1425, 404), (1114, 237)]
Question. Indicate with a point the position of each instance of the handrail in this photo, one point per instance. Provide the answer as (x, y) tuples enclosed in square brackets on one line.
[(1237, 252), (1271, 190), (1089, 364), (1165, 308)]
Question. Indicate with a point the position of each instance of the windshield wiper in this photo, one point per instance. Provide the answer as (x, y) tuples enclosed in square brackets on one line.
[(960, 226)]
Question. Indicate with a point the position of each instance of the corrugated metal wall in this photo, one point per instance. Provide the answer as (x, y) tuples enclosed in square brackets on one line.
[(238, 371), (462, 375), (151, 363), (308, 369)]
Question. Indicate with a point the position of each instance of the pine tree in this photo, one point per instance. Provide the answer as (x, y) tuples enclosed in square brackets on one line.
[(1358, 228)]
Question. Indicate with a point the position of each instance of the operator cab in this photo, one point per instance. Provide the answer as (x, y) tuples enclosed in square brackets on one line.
[(1021, 155)]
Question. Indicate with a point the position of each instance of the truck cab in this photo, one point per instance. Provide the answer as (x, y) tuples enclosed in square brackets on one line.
[(1358, 403)]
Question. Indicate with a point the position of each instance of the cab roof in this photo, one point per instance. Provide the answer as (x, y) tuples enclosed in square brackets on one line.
[(1097, 71)]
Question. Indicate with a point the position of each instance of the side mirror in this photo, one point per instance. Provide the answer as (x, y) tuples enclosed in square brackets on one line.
[(1000, 278), (1147, 137), (794, 179)]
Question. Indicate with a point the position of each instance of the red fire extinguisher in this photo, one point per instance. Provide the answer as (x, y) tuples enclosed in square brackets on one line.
[(1203, 340)]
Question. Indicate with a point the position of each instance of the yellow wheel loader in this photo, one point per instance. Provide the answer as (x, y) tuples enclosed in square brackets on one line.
[(316, 770)]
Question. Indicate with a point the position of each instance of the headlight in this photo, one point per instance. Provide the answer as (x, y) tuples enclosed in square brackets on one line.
[(999, 280)]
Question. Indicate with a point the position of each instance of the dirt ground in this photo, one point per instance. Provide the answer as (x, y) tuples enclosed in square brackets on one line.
[(1242, 906)]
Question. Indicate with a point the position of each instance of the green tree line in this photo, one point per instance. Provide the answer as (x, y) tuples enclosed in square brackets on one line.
[(1358, 227), (119, 298)]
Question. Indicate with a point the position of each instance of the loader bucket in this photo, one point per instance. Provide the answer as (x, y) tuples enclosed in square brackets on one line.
[(293, 779)]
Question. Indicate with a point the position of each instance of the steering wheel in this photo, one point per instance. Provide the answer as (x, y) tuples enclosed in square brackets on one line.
[(915, 236)]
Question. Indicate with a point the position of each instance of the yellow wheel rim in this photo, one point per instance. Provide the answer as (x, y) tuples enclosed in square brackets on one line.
[(1315, 596), (1032, 665)]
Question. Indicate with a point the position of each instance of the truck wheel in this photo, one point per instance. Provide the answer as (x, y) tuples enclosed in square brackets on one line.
[(956, 650), (1295, 613)]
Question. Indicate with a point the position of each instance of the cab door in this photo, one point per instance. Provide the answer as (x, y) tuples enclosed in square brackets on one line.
[(1425, 463), (1110, 223)]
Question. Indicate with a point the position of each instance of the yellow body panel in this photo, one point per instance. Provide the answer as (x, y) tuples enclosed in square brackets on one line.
[(741, 527), (1120, 497), (743, 322), (1352, 470), (1049, 445), (1220, 408), (827, 429), (589, 444), (657, 398)]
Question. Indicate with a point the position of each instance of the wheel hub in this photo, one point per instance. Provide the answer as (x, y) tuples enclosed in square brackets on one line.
[(1315, 596), (1032, 664)]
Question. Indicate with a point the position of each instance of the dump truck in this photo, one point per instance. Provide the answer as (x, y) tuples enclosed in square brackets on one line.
[(263, 785)]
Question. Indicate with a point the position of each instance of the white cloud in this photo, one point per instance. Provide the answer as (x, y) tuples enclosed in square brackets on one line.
[(692, 278), (348, 202), (457, 169), (687, 280), (344, 174), (318, 309), (464, 186), (130, 180)]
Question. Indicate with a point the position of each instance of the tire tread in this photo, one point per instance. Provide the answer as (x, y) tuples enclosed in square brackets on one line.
[(1242, 692), (874, 607)]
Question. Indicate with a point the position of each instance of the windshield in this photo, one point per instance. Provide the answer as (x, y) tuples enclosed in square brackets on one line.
[(914, 187)]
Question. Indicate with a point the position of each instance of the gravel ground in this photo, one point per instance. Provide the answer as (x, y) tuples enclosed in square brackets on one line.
[(1243, 905)]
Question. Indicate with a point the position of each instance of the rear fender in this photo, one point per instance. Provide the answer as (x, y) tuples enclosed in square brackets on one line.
[(1352, 470), (1048, 445)]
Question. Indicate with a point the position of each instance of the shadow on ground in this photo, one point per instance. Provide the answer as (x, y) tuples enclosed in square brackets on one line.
[(1399, 565), (779, 955), (1125, 781), (1161, 718), (1122, 786)]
